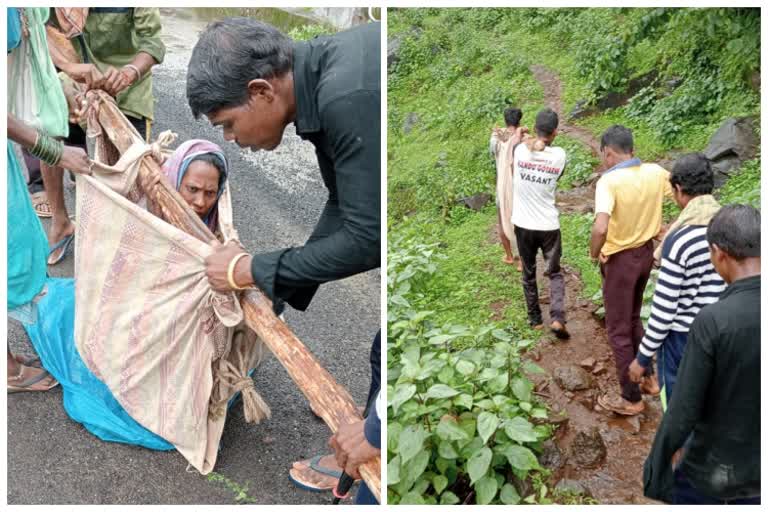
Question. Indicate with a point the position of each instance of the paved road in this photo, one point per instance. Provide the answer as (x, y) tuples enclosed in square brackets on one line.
[(277, 198)]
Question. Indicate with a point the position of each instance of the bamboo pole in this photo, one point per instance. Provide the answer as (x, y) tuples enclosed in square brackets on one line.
[(330, 399)]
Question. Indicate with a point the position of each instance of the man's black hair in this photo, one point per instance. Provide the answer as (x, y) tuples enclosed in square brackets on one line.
[(546, 122), (512, 116), (736, 230), (617, 137), (693, 172), (229, 54)]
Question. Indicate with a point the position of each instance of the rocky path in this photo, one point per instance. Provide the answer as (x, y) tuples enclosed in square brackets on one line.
[(602, 451), (595, 450)]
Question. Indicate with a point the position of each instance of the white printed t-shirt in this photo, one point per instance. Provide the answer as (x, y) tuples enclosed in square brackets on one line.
[(536, 174)]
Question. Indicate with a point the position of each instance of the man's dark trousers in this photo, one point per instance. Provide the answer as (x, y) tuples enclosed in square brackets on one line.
[(686, 494), (667, 363), (624, 278), (529, 242)]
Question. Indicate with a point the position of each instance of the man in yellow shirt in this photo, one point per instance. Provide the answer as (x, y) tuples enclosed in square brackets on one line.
[(628, 202)]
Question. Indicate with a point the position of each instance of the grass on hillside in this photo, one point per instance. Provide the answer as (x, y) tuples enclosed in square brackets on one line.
[(472, 286)]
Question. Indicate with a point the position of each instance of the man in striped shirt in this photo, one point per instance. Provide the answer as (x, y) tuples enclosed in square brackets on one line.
[(687, 279)]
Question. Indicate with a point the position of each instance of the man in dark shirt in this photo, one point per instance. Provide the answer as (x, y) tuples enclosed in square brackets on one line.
[(252, 80), (707, 449)]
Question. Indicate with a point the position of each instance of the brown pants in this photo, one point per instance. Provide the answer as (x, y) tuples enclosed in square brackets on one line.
[(624, 278)]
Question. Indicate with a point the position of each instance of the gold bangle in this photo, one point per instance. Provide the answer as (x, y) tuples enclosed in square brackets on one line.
[(231, 272)]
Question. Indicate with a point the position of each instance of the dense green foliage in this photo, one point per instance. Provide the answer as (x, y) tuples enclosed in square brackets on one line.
[(459, 68), (457, 320), (305, 32), (461, 410)]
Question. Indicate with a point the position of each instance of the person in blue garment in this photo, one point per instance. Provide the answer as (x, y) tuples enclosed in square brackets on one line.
[(27, 243)]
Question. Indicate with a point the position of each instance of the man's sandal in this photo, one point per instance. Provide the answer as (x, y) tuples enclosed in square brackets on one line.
[(311, 476)]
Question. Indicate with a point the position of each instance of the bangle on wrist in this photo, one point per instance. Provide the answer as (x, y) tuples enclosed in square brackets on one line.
[(47, 149), (135, 70), (231, 272)]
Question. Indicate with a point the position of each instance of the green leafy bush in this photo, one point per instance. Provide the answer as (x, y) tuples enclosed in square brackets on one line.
[(580, 163), (460, 420), (306, 32), (744, 187)]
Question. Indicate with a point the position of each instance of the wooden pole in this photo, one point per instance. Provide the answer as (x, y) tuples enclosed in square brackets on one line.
[(331, 400)]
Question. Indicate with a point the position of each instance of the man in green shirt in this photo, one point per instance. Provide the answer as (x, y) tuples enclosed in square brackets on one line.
[(123, 44)]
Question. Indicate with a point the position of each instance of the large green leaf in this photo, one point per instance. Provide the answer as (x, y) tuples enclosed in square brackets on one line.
[(440, 339), (478, 464), (448, 498), (393, 470), (463, 400), (520, 457), (519, 429), (411, 441), (439, 482), (403, 393), (522, 388), (465, 367), (487, 422), (509, 495), (446, 450), (486, 488), (441, 391), (394, 430), (416, 467), (449, 430)]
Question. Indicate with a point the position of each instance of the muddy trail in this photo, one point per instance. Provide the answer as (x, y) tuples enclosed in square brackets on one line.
[(600, 450), (578, 199), (552, 86), (612, 474)]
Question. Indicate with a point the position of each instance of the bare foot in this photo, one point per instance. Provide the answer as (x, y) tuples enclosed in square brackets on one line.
[(509, 260)]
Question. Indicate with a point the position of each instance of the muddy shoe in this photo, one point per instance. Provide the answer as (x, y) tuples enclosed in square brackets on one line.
[(650, 386), (619, 405), (560, 331)]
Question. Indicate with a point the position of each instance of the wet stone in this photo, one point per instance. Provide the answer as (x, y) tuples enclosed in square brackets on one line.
[(551, 457), (411, 121), (588, 448), (475, 202), (572, 378)]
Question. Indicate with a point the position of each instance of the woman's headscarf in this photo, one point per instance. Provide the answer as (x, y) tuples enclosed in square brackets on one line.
[(176, 166)]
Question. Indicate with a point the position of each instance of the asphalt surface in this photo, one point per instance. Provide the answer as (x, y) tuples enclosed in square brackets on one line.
[(277, 198)]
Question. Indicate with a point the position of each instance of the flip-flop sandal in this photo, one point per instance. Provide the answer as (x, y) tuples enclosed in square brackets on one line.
[(64, 244), (608, 404), (41, 205), (314, 464), (24, 386), (31, 361)]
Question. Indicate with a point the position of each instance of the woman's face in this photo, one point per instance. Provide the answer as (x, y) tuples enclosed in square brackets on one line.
[(200, 187)]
